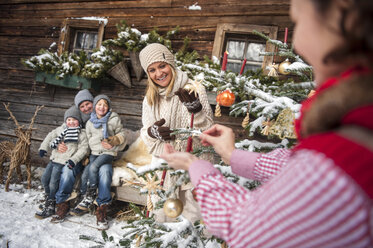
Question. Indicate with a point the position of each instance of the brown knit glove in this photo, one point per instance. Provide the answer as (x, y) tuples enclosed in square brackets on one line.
[(156, 131), (190, 101), (113, 140)]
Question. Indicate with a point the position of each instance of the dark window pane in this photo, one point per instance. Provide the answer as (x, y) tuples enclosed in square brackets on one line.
[(85, 40), (252, 67), (79, 42), (235, 67)]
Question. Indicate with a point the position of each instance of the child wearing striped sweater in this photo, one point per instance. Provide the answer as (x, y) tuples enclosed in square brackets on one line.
[(71, 134)]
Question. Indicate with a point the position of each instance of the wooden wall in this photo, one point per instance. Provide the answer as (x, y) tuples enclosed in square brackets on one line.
[(27, 25)]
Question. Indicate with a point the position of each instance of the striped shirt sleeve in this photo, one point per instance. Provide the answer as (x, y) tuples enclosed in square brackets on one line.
[(310, 203), (270, 164)]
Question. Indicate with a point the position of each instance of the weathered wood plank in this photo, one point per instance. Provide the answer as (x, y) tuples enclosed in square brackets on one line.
[(122, 3), (24, 45), (142, 4), (10, 62), (148, 22), (161, 12), (188, 3), (119, 104), (129, 194)]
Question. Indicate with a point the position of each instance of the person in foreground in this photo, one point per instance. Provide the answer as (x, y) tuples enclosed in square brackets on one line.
[(318, 194)]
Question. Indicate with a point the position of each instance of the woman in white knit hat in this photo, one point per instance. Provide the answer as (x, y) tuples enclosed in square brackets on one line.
[(166, 106)]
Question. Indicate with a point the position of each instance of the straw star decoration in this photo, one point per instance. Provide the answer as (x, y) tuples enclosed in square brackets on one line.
[(266, 126), (151, 184), (195, 87)]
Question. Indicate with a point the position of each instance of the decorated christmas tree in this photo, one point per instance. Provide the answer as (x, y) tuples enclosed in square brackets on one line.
[(269, 105)]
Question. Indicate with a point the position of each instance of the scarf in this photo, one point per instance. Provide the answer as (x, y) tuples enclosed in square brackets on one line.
[(97, 123), (69, 134), (312, 121), (341, 102)]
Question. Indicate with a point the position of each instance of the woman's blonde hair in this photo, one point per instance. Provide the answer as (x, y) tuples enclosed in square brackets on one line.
[(152, 90)]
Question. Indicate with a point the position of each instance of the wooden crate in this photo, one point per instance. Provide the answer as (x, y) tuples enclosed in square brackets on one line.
[(130, 194)]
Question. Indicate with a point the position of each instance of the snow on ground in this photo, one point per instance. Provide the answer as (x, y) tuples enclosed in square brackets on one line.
[(19, 228)]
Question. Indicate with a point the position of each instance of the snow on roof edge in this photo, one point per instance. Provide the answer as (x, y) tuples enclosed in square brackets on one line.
[(100, 19)]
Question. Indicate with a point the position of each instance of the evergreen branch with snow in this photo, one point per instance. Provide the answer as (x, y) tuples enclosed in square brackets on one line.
[(132, 39)]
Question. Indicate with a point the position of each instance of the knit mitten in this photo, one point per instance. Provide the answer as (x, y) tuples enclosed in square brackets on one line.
[(156, 131), (114, 140), (42, 153), (189, 100)]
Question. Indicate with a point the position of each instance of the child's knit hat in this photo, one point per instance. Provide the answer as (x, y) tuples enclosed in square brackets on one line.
[(98, 98), (74, 112), (156, 52), (81, 96)]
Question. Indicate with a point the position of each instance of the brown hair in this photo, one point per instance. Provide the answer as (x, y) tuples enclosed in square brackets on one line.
[(359, 39)]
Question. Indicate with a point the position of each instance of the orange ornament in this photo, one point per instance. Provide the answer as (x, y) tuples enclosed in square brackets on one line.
[(226, 98)]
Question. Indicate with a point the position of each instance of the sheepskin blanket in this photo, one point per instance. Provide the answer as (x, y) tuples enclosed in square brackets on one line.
[(137, 155)]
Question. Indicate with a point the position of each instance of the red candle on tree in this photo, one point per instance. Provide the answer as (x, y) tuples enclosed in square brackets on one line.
[(286, 35), (225, 60), (243, 66)]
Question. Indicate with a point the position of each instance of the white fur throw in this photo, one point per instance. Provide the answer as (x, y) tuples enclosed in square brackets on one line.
[(138, 155)]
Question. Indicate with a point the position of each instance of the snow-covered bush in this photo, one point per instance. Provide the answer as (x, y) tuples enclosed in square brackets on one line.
[(132, 39)]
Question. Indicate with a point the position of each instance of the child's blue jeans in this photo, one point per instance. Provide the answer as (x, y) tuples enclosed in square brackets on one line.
[(51, 179), (94, 166)]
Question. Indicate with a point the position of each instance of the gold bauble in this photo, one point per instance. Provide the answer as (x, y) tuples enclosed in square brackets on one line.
[(173, 207), (282, 67)]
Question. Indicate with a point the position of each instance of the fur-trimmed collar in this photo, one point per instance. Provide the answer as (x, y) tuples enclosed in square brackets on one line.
[(335, 105)]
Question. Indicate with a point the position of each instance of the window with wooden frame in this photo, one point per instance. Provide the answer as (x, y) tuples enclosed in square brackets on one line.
[(240, 43), (81, 35)]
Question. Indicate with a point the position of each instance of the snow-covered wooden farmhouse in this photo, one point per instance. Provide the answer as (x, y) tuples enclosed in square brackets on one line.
[(26, 26)]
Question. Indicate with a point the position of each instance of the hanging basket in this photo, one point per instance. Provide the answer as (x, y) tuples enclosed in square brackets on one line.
[(136, 65), (120, 73)]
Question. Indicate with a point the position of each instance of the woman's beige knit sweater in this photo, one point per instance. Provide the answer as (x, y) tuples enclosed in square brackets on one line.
[(176, 115)]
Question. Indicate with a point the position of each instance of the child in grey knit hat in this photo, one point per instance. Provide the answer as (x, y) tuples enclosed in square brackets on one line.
[(105, 138), (71, 134)]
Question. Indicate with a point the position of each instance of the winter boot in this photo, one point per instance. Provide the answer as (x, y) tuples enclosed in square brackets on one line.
[(43, 201), (88, 199), (62, 210), (78, 212), (48, 209), (101, 216)]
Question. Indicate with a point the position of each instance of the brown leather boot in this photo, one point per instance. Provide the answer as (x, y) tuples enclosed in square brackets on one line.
[(101, 216), (62, 209)]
